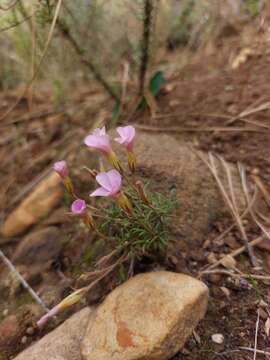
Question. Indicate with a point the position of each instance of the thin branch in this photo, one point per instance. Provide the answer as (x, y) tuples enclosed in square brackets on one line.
[(10, 6), (256, 335), (11, 26), (23, 282), (68, 36), (241, 275), (178, 129), (253, 350)]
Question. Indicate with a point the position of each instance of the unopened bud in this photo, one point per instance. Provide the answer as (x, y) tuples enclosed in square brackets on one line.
[(124, 203), (132, 161), (141, 192), (113, 159)]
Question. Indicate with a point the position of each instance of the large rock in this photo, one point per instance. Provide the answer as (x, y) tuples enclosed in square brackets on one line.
[(168, 163), (63, 343), (35, 207), (148, 318)]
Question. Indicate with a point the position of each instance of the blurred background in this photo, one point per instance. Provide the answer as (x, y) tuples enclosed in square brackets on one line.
[(109, 34)]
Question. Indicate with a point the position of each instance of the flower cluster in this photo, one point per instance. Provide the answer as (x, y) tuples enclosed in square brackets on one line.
[(135, 222), (110, 182)]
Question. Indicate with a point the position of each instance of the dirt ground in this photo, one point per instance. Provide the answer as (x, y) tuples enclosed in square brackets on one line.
[(200, 104)]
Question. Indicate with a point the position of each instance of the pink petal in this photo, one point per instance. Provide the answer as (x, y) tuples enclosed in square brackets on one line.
[(120, 140), (115, 180), (127, 135), (61, 168), (104, 180), (100, 131), (45, 318), (100, 192), (78, 206), (98, 142)]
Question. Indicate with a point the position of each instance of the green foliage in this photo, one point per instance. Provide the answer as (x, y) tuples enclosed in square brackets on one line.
[(182, 30), (253, 7), (146, 230), (9, 77), (58, 92), (44, 14), (154, 86)]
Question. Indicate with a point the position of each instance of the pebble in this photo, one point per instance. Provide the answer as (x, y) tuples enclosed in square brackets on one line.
[(211, 258), (30, 331), (24, 340), (217, 338)]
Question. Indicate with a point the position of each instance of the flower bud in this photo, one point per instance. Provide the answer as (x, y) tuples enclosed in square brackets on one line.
[(141, 192)]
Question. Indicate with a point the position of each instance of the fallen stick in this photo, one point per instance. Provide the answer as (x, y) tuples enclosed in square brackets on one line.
[(235, 253), (27, 287)]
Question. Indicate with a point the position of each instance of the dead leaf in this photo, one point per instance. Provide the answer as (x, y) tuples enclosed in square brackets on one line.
[(242, 57), (228, 262)]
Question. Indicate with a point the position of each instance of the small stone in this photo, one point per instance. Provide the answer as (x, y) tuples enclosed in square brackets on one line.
[(30, 331), (255, 171), (211, 258), (5, 312), (228, 262), (149, 317), (217, 338), (24, 340)]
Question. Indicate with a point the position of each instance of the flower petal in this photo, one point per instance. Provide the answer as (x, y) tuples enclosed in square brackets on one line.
[(78, 206), (100, 192), (61, 168), (98, 142), (104, 180), (127, 135), (115, 180)]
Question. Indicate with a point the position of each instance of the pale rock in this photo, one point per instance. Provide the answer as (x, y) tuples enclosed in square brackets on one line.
[(167, 164), (148, 317), (36, 206), (218, 338), (63, 343)]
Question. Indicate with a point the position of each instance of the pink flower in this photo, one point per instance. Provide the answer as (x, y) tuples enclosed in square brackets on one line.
[(78, 207), (61, 168), (99, 140), (126, 136), (110, 182), (45, 318)]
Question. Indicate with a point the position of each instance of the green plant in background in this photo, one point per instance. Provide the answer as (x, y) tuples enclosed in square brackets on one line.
[(58, 92), (181, 32), (9, 77), (253, 7)]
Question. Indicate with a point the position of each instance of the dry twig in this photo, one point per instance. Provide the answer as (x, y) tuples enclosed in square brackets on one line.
[(22, 281)]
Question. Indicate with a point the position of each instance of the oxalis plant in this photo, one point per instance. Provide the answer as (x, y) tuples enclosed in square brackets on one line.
[(134, 222)]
